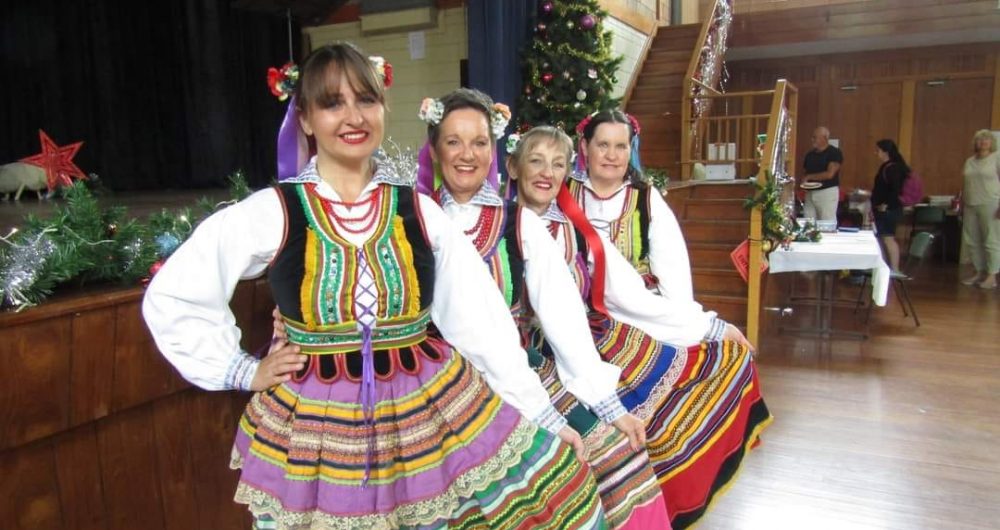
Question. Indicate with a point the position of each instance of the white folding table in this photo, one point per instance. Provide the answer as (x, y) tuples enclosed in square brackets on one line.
[(833, 253)]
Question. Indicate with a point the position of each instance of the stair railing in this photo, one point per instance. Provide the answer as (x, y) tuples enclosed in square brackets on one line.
[(703, 76), (776, 160)]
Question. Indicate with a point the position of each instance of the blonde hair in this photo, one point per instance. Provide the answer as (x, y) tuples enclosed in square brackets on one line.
[(539, 134), (984, 133)]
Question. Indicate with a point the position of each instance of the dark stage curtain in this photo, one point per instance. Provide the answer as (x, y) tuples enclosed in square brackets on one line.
[(164, 95), (497, 33)]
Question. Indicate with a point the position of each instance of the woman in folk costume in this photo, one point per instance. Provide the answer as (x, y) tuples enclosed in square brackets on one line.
[(609, 187), (701, 405), (459, 160), (366, 418)]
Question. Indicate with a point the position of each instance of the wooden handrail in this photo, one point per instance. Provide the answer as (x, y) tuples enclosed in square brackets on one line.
[(731, 117), (734, 95), (689, 85), (713, 91), (784, 102)]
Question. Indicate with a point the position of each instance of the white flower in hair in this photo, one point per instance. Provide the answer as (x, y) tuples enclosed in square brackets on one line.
[(431, 111), (499, 118), (383, 68), (512, 142)]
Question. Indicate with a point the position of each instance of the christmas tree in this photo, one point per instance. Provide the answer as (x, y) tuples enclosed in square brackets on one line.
[(569, 68)]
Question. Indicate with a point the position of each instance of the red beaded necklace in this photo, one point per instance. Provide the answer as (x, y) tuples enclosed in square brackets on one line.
[(368, 217), (483, 230)]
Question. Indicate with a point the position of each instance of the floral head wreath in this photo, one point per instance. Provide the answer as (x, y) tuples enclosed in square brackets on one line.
[(282, 81), (581, 156), (431, 112), (294, 148)]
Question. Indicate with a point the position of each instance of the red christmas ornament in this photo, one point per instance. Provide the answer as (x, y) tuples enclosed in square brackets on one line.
[(547, 77), (57, 161), (155, 268)]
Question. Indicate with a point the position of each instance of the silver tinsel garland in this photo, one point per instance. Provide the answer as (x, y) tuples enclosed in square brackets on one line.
[(21, 267)]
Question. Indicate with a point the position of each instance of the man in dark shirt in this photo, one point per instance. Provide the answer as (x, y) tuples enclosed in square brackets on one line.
[(822, 165)]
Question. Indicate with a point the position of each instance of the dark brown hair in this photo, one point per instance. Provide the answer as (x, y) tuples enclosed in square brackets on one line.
[(462, 98), (632, 173), (319, 79)]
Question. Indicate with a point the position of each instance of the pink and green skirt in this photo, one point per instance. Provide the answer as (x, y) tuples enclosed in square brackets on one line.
[(448, 453), (625, 481)]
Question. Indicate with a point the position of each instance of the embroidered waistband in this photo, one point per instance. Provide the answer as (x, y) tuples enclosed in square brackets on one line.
[(346, 337)]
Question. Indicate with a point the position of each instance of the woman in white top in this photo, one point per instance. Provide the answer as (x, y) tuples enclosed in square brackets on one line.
[(702, 405), (609, 188), (368, 418), (981, 210), (530, 272)]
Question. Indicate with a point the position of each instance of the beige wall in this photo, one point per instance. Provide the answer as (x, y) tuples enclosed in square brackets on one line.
[(689, 11), (627, 42), (437, 73)]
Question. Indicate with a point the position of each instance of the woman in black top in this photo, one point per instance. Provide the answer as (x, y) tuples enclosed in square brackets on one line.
[(885, 198)]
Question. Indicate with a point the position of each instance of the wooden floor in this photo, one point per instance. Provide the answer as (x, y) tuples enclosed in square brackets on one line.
[(900, 431)]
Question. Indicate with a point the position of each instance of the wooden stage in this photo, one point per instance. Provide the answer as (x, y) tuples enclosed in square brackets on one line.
[(900, 431)]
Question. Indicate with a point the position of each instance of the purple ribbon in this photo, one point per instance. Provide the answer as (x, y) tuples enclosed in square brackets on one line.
[(368, 395), (293, 146)]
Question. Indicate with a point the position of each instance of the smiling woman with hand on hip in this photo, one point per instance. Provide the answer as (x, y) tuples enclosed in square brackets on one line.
[(368, 417)]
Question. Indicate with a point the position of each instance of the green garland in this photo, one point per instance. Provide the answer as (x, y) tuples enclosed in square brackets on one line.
[(777, 228), (82, 243)]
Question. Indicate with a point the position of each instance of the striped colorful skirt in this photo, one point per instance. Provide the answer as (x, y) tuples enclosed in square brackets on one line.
[(447, 453), (702, 408), (625, 479)]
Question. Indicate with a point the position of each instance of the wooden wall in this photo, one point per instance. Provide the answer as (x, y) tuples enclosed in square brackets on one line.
[(97, 431), (770, 22), (863, 97)]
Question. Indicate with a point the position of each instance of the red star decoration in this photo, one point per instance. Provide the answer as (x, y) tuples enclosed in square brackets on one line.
[(56, 161)]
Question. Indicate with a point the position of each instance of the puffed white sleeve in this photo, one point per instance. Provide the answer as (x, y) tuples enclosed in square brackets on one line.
[(668, 255), (186, 306), (559, 308), (681, 322), (470, 312)]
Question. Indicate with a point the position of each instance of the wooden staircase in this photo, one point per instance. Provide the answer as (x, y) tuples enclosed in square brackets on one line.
[(656, 99), (714, 222)]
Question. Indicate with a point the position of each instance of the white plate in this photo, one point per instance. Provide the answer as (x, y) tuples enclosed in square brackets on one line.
[(810, 185)]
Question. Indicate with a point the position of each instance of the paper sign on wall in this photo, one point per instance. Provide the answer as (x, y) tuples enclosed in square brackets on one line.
[(418, 45)]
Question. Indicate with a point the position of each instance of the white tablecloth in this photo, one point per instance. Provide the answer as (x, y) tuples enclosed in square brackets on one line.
[(837, 251)]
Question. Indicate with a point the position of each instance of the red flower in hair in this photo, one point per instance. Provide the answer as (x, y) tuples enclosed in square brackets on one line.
[(388, 75), (635, 124), (282, 81)]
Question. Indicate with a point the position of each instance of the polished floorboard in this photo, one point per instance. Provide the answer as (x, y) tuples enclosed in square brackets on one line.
[(899, 431)]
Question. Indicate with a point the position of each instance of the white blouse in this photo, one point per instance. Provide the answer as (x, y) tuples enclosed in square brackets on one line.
[(186, 304), (679, 322), (557, 306), (668, 255)]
